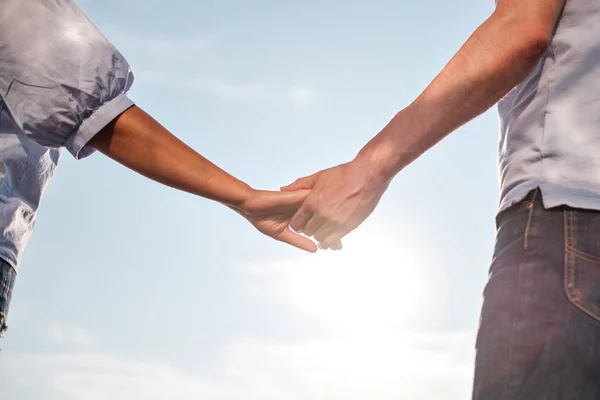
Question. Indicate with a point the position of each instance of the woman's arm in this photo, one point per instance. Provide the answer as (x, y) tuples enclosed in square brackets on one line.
[(142, 144)]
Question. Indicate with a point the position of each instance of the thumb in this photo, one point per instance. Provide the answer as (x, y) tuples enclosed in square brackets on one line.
[(294, 197), (273, 202), (302, 183)]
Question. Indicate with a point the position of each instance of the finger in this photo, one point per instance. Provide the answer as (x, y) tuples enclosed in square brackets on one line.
[(330, 244), (298, 241), (302, 183), (285, 202), (337, 245), (325, 231), (290, 199), (313, 225), (300, 218), (333, 239)]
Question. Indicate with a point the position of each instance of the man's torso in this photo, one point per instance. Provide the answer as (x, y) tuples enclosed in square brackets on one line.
[(550, 123)]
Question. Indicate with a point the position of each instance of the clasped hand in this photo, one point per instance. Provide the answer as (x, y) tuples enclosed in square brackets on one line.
[(327, 206), (341, 198)]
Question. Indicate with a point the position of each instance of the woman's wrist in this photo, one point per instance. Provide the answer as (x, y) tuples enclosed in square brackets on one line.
[(239, 196)]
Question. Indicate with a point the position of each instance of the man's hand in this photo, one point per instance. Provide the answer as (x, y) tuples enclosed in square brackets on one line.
[(270, 213), (341, 199)]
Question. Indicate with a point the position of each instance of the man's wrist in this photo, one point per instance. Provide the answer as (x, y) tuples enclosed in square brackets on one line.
[(405, 138), (384, 154), (377, 160)]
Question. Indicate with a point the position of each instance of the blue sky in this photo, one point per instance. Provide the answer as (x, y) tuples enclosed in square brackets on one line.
[(130, 290)]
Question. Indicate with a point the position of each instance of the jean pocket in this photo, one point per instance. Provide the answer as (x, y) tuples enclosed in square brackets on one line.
[(582, 260)]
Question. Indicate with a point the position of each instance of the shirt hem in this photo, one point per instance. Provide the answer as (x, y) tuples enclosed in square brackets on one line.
[(9, 259), (554, 195)]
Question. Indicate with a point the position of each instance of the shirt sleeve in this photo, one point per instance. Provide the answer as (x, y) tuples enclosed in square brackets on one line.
[(60, 78)]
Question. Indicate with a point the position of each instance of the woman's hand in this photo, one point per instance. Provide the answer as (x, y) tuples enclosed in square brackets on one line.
[(270, 213)]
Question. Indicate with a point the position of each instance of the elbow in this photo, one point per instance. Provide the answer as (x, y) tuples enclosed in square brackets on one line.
[(531, 37), (528, 36), (535, 43)]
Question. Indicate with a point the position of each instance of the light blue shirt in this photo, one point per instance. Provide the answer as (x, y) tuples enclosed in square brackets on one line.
[(550, 123), (61, 82)]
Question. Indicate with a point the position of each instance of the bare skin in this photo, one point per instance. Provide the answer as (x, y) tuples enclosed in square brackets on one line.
[(497, 57), (140, 143)]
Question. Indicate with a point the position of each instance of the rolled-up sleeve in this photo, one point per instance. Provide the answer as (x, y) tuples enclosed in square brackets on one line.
[(61, 79)]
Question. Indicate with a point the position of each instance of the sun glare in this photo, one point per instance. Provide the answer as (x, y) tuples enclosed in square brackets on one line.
[(377, 283)]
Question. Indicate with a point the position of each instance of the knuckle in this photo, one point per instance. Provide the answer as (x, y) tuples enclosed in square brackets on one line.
[(337, 221), (316, 213), (320, 216), (310, 204)]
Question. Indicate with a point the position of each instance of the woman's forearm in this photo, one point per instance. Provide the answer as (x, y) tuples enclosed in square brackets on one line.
[(142, 144)]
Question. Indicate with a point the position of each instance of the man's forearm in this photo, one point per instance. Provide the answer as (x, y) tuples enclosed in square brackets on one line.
[(140, 143), (498, 56)]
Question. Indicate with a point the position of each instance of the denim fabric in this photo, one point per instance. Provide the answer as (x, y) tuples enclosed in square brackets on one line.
[(539, 334), (7, 282)]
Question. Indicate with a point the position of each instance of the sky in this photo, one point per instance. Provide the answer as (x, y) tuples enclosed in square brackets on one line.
[(131, 290)]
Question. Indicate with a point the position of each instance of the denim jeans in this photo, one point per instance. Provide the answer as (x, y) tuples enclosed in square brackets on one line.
[(539, 333), (7, 282)]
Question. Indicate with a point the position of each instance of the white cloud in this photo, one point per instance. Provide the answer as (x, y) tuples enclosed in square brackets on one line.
[(230, 91), (367, 299), (161, 61), (162, 49), (246, 92), (76, 337), (256, 93), (264, 92), (415, 366), (302, 96)]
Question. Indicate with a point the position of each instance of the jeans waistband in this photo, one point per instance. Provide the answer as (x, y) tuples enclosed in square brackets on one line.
[(534, 197)]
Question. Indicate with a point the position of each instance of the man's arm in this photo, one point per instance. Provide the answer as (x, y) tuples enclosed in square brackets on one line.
[(140, 143), (497, 56)]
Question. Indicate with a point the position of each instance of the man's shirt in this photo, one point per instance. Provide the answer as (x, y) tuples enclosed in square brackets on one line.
[(61, 82), (550, 123)]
